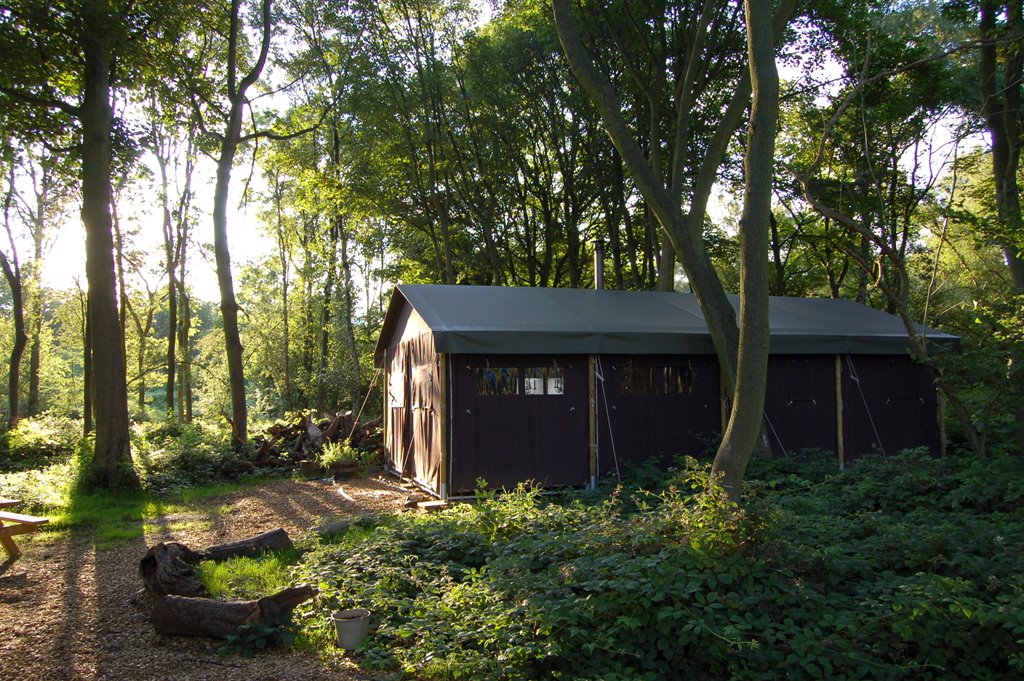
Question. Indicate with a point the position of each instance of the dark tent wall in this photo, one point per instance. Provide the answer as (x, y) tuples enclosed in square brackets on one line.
[(800, 403), (889, 404), (656, 406), (518, 418)]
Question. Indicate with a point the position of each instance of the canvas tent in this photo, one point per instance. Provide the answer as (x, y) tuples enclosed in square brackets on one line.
[(562, 385)]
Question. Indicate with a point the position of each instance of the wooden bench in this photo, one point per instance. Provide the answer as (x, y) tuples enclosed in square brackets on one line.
[(12, 524)]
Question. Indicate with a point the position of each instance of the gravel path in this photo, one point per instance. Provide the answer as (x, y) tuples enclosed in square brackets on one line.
[(71, 611)]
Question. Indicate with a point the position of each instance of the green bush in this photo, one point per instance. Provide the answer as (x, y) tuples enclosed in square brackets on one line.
[(170, 456), (907, 568), (38, 442)]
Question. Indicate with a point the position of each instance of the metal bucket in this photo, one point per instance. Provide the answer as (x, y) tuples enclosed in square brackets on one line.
[(352, 627)]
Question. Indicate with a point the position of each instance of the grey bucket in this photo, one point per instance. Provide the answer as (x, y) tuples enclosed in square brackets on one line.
[(352, 627)]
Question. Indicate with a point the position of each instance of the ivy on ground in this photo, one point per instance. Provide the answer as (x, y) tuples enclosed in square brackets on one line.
[(907, 568)]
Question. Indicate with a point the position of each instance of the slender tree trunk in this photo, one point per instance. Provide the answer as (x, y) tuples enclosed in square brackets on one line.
[(170, 268), (109, 389), (230, 141), (12, 272), (228, 305), (325, 312), (34, 362), (35, 353), (184, 359), (83, 300), (282, 256), (744, 428), (350, 331)]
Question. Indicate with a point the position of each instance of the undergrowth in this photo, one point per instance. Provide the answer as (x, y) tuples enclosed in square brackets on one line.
[(907, 568), (47, 465)]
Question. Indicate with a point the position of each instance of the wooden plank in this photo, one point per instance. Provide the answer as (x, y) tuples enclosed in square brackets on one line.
[(433, 505), (13, 530), (23, 519), (7, 503)]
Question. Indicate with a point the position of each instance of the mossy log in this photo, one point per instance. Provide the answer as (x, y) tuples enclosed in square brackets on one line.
[(185, 616)]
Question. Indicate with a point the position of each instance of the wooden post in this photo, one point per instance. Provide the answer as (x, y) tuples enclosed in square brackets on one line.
[(442, 413), (385, 395), (592, 416), (723, 402), (942, 422), (839, 413)]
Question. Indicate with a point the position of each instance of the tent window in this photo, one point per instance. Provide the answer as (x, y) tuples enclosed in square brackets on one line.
[(497, 381), (544, 381), (672, 380)]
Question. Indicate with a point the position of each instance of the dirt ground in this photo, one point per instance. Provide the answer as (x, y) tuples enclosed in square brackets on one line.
[(71, 611)]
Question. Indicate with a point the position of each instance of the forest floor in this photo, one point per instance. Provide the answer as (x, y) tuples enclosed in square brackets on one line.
[(70, 610)]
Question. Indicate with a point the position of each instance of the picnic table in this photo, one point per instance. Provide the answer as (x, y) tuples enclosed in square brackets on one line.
[(12, 524)]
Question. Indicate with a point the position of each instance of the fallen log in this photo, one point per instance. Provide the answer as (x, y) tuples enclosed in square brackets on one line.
[(168, 568), (274, 540), (184, 616)]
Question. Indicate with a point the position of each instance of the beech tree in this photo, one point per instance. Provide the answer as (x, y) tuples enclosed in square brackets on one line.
[(65, 61), (685, 230)]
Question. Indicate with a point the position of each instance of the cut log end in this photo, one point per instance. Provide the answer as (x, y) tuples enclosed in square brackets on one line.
[(168, 568)]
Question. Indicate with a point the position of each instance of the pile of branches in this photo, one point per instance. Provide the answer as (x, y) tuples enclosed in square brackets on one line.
[(288, 443)]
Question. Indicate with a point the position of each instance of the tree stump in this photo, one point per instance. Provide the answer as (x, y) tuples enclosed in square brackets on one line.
[(169, 568), (184, 616)]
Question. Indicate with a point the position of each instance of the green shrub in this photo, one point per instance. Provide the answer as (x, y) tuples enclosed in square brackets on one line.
[(907, 568), (38, 442), (170, 457)]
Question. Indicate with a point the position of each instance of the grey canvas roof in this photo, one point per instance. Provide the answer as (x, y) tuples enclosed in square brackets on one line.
[(519, 320)]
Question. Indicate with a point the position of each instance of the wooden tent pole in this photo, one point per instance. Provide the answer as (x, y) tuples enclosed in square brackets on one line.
[(592, 434), (839, 413), (942, 422), (443, 416), (723, 403), (387, 422)]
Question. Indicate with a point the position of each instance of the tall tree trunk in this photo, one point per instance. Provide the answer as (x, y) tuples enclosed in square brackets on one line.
[(1001, 110), (230, 141), (1001, 103), (184, 358), (83, 300), (35, 352), (228, 305), (109, 389), (170, 269), (744, 428), (350, 331), (12, 272), (337, 226), (685, 232), (282, 255)]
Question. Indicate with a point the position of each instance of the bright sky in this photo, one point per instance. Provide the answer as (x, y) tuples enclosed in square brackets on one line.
[(246, 240)]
